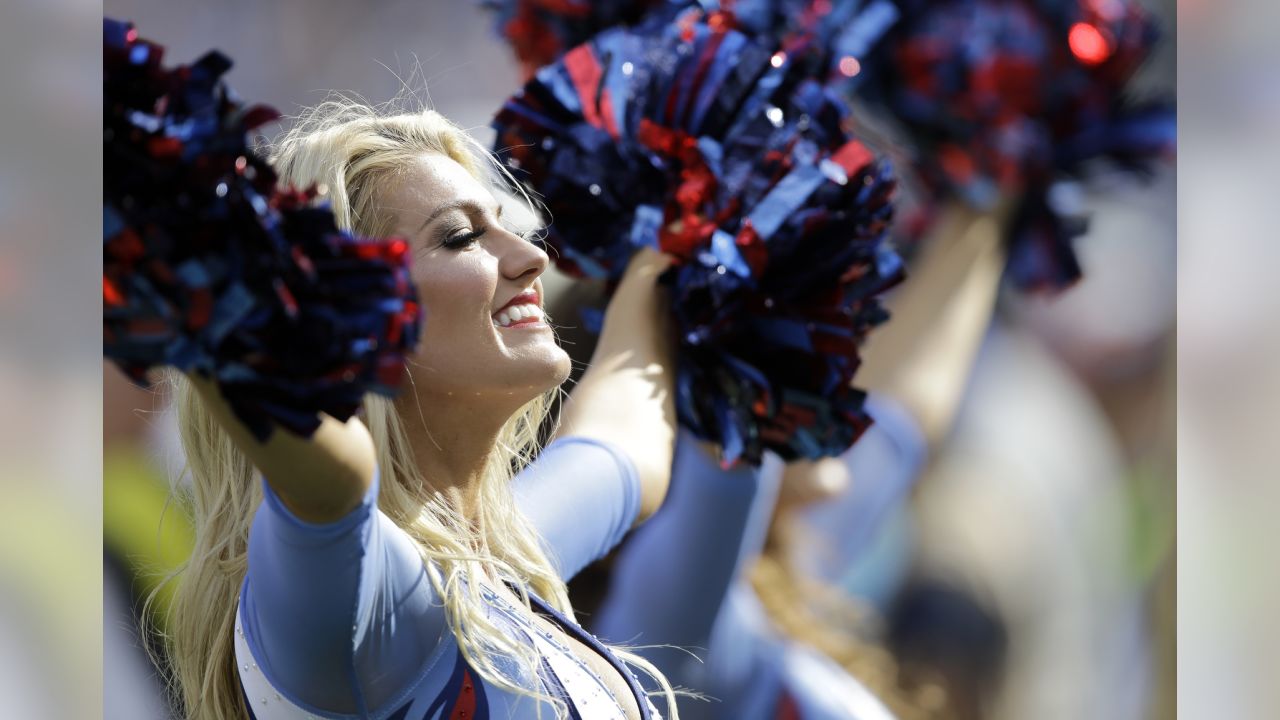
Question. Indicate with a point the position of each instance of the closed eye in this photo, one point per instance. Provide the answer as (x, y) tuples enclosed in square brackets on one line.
[(457, 240)]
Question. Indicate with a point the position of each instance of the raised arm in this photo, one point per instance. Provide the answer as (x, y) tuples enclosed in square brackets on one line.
[(671, 579), (320, 479), (626, 397), (923, 357), (336, 608)]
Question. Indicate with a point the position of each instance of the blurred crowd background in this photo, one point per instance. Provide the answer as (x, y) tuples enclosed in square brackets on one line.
[(1034, 572)]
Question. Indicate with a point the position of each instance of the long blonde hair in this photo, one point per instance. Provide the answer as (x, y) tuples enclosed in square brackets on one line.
[(351, 151)]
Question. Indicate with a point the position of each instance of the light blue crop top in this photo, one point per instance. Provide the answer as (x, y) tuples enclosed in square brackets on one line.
[(341, 620)]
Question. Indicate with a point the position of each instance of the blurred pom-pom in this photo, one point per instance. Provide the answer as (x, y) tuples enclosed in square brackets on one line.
[(731, 156), (208, 267), (540, 31), (1014, 97)]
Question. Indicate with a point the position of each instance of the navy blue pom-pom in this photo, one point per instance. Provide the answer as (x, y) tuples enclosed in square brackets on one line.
[(540, 31), (208, 267), (1020, 98), (731, 156)]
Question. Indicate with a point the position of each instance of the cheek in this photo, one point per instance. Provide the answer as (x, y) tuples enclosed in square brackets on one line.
[(455, 290), (456, 296)]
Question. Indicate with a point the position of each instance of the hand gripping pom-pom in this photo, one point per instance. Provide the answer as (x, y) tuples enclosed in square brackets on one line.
[(209, 268), (717, 150)]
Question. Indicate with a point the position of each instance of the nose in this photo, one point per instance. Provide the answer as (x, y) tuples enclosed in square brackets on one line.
[(521, 261)]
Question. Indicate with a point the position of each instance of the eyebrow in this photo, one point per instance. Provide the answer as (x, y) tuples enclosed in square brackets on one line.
[(469, 206)]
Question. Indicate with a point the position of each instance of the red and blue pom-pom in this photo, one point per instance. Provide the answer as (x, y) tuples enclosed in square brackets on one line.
[(540, 31), (1021, 98), (731, 156), (208, 267), (999, 98)]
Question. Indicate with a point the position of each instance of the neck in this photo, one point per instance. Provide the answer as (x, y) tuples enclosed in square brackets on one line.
[(452, 438)]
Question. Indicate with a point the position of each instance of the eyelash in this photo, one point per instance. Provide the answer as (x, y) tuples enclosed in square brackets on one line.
[(455, 242), (461, 240)]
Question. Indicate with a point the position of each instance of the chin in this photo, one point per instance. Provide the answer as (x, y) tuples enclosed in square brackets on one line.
[(533, 371), (554, 368)]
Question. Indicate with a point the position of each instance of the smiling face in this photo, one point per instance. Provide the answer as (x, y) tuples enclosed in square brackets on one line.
[(479, 283)]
